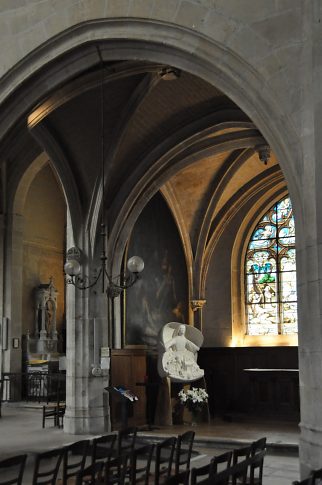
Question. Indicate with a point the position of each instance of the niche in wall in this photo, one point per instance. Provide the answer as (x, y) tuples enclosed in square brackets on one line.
[(161, 295), (43, 244)]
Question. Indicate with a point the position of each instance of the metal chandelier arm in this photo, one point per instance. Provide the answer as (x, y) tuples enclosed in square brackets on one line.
[(113, 289), (80, 281), (135, 265)]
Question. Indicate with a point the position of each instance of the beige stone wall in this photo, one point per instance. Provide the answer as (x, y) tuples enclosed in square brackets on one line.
[(43, 244)]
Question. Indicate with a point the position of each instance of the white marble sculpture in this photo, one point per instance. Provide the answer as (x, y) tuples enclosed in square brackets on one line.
[(178, 346)]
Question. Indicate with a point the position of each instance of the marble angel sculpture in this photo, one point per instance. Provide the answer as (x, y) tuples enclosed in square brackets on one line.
[(178, 345)]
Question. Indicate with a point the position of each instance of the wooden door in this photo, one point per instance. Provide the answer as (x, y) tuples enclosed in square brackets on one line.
[(128, 370)]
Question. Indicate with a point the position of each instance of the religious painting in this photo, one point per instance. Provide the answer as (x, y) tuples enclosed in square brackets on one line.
[(161, 294)]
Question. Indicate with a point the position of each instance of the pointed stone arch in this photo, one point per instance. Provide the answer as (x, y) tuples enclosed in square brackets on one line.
[(166, 43), (163, 42)]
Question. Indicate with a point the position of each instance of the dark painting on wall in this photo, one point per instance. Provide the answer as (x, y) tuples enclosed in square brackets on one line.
[(161, 295)]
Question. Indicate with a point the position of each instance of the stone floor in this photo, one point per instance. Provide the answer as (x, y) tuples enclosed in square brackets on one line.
[(21, 432)]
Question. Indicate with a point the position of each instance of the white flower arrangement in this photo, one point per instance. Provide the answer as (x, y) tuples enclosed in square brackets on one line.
[(194, 399)]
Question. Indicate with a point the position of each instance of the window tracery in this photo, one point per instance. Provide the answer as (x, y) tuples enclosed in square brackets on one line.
[(270, 267)]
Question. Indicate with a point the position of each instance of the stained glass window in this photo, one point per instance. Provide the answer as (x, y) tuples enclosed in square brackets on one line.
[(271, 299)]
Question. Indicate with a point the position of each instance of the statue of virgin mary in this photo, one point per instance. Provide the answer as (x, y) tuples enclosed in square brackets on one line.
[(178, 345)]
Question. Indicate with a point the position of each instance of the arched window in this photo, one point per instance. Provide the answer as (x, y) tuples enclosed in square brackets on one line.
[(270, 267)]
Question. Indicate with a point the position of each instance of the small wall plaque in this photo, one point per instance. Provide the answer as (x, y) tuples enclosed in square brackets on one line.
[(15, 343), (105, 352)]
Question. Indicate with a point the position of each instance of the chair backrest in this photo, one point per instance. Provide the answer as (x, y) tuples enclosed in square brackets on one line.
[(115, 469), (306, 481), (181, 478), (220, 478), (140, 464), (74, 459), (164, 458), (240, 454), (238, 473), (203, 472), (102, 447), (11, 470), (316, 475), (258, 445), (46, 467), (224, 460), (91, 474), (256, 467), (183, 450), (126, 440)]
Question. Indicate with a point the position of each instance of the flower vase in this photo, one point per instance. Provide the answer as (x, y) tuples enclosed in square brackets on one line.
[(196, 417)]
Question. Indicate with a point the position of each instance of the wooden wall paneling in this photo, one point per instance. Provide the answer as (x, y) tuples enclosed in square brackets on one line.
[(231, 390), (128, 368)]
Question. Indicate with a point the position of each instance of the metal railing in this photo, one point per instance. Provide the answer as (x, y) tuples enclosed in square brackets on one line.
[(35, 386)]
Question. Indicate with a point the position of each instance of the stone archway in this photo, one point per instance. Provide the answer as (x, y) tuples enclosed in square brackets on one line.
[(42, 254), (197, 54)]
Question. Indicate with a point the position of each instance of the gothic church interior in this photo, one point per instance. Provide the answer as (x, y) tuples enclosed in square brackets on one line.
[(191, 182)]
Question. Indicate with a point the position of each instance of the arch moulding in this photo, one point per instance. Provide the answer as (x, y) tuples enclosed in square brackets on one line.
[(170, 44)]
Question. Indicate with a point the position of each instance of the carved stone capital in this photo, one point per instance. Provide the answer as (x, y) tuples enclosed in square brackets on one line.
[(197, 304)]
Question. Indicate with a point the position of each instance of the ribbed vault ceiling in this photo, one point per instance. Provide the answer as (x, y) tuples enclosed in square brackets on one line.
[(181, 132)]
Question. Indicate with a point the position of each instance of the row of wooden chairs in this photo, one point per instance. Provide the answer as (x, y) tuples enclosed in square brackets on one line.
[(242, 465), (314, 478), (132, 465), (114, 459)]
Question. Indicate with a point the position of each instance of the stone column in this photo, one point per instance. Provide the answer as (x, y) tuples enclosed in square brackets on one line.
[(86, 411), (13, 291), (309, 246), (2, 237)]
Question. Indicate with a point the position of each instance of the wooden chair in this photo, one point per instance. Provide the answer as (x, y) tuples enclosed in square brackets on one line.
[(126, 440), (91, 475), (256, 468), (183, 451), (12, 469), (181, 478), (258, 445), (238, 473), (255, 454), (220, 478), (49, 412), (115, 470), (74, 460), (305, 481), (103, 447), (164, 459), (224, 460), (46, 467), (240, 454), (140, 464), (316, 476), (198, 475), (55, 412)]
